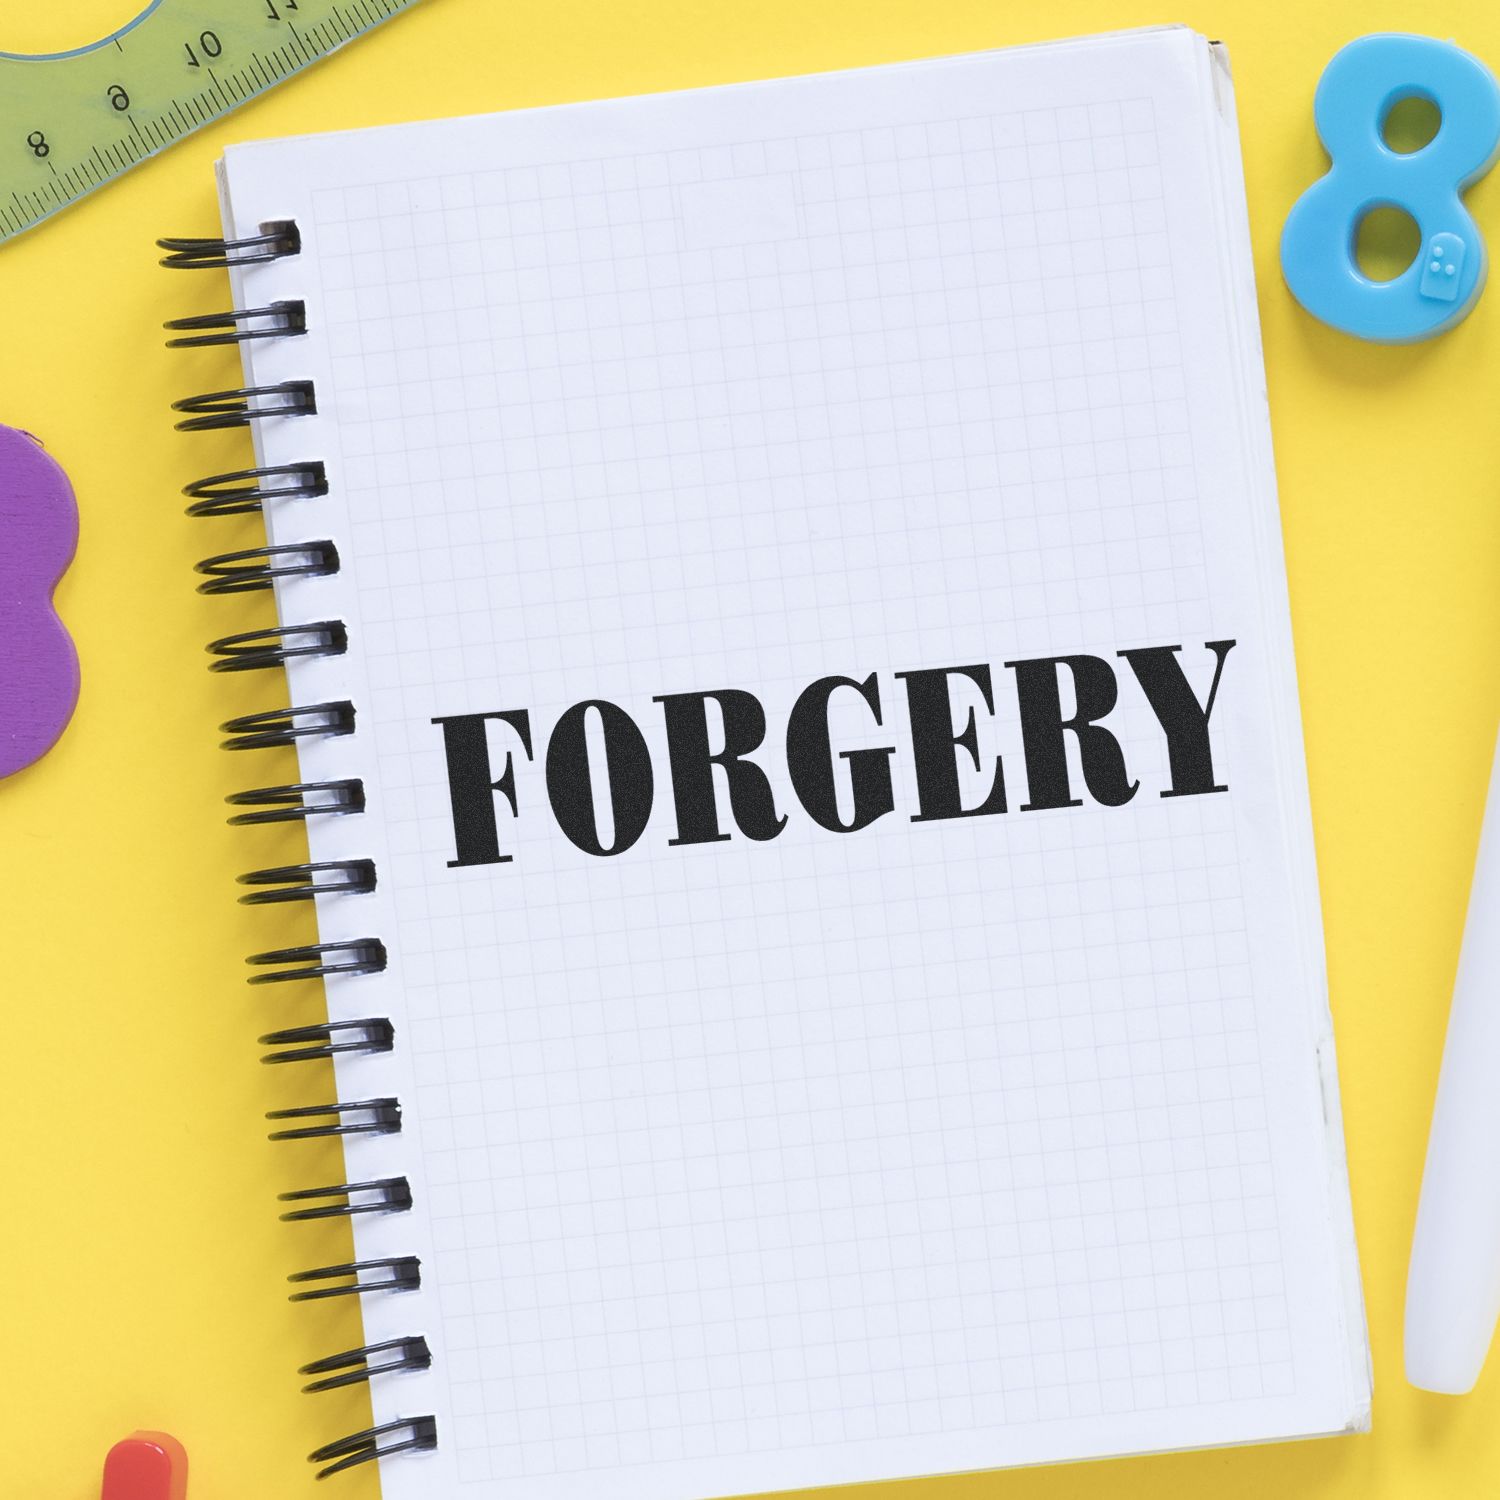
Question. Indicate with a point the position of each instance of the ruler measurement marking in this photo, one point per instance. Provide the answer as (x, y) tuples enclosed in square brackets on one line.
[(74, 88)]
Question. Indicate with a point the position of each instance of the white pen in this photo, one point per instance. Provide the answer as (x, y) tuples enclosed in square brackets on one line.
[(1453, 1285)]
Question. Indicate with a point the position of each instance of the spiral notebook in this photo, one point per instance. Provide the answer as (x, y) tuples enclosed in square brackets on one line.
[(787, 642)]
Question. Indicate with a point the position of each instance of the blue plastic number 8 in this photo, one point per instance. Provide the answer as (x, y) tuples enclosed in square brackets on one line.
[(1356, 93)]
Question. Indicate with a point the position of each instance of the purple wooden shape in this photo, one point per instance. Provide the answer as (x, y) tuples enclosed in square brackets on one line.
[(38, 663)]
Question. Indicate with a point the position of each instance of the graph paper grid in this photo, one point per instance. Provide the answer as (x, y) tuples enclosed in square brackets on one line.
[(834, 1156)]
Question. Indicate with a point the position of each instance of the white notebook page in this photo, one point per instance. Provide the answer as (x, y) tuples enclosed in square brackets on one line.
[(938, 1145)]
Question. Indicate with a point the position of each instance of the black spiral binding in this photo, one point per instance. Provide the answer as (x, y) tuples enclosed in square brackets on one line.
[(247, 490), (255, 569), (275, 241), (355, 1366), (256, 650), (249, 570), (243, 324)]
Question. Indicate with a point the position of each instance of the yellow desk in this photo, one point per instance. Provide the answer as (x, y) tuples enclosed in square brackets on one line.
[(140, 1253)]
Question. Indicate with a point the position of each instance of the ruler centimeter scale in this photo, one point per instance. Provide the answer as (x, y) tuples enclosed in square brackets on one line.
[(72, 121)]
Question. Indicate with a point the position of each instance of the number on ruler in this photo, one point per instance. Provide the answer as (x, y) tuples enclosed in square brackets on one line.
[(119, 98), (210, 44), (272, 14), (38, 143)]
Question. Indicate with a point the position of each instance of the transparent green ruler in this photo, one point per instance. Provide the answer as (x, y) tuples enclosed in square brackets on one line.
[(72, 121)]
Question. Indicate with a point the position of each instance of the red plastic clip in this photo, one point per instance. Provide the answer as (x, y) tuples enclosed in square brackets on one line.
[(146, 1466)]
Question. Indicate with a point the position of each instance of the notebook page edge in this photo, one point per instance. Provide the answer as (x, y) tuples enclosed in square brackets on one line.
[(1085, 42), (1243, 299)]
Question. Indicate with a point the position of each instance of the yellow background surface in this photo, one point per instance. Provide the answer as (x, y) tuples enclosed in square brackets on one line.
[(141, 1261)]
